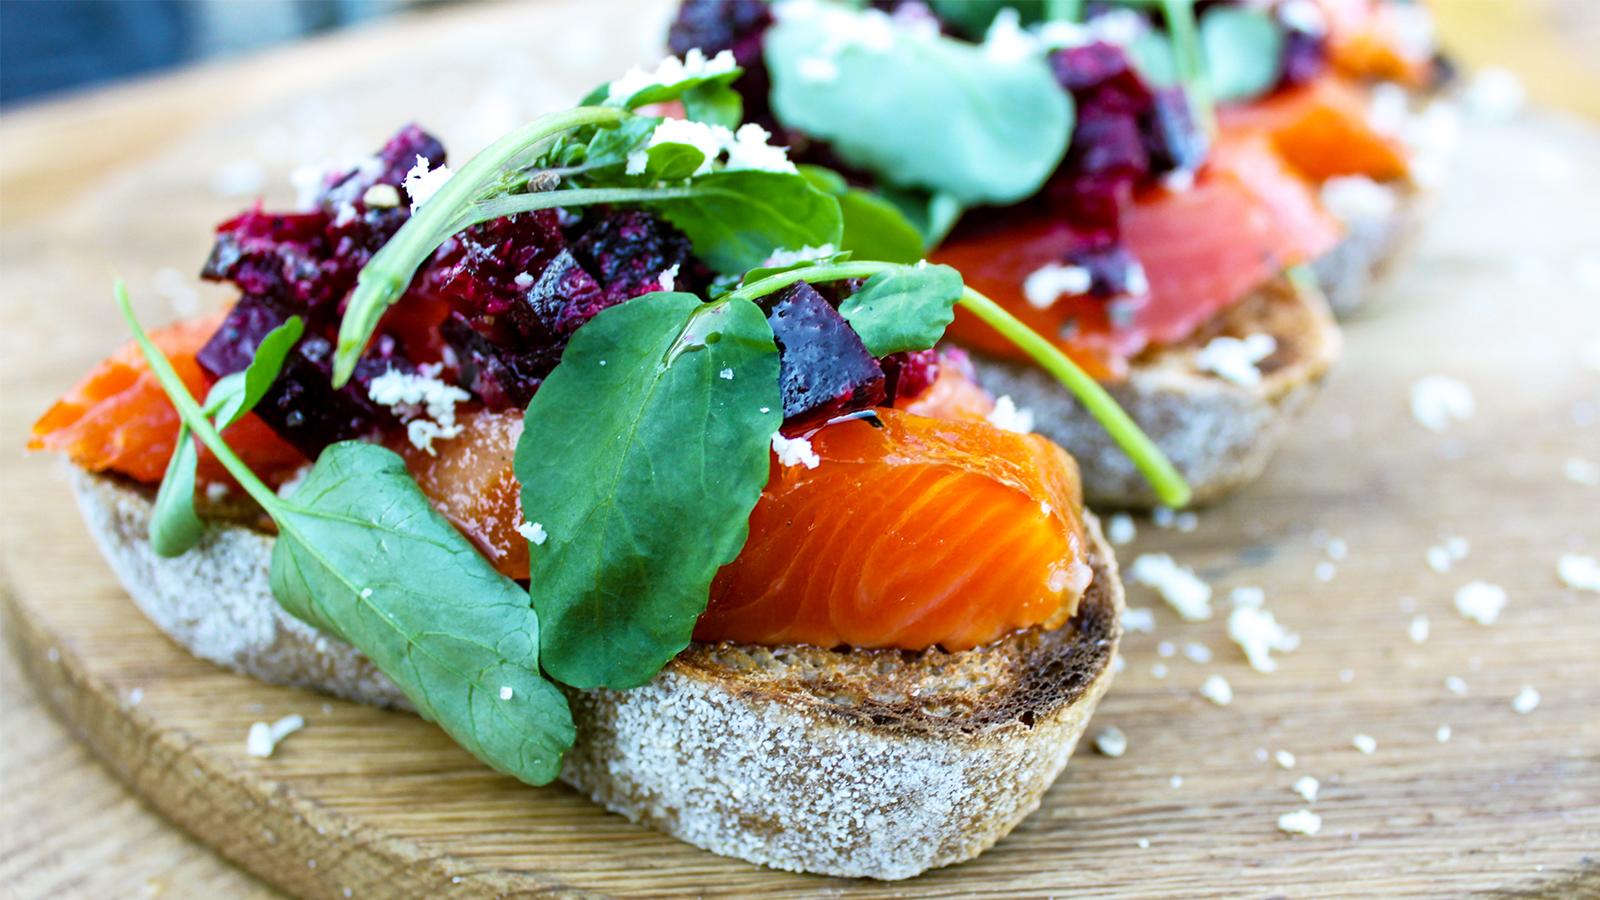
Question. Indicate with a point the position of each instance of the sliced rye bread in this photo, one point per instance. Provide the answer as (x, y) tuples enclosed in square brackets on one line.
[(878, 764), (1219, 434), (1381, 221)]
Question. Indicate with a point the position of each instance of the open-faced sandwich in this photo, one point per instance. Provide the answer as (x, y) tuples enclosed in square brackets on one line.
[(564, 452), (1158, 186)]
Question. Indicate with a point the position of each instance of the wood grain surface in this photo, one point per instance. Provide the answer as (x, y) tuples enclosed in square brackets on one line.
[(1503, 292)]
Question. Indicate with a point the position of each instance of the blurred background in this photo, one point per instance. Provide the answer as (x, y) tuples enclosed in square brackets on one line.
[(49, 48)]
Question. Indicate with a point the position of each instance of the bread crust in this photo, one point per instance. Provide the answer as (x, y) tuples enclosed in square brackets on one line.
[(878, 764), (1372, 244), (1218, 434)]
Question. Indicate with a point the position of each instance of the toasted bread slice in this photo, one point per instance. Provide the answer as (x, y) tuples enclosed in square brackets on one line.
[(1219, 434), (876, 764), (1381, 220)]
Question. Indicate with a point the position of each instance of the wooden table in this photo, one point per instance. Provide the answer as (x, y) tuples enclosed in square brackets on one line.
[(1502, 293)]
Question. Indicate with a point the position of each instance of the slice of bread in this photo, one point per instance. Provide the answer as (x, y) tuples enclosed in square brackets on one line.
[(1219, 434), (877, 764), (1381, 219)]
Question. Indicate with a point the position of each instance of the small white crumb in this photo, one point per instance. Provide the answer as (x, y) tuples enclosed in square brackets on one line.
[(1144, 843), (216, 491), (1581, 471), (1438, 400), (1581, 573), (1356, 198), (533, 532), (1048, 283), (1307, 787), (381, 196), (1248, 596), (1158, 670), (1111, 741), (1258, 633), (1366, 743), (1283, 758), (1118, 664), (1235, 360), (1443, 734), (366, 593), (264, 738), (1186, 522), (505, 692), (1217, 690), (1408, 605), (1456, 685), (136, 696), (421, 183), (1261, 754), (1481, 602), (523, 280), (1138, 619), (1325, 571), (1439, 559), (1526, 701), (1008, 416), (1175, 781), (1494, 95), (726, 374), (1198, 653), (425, 403), (671, 70), (1120, 529), (794, 451), (668, 279), (1177, 585), (1301, 821), (1163, 516), (1337, 549), (1418, 629), (1166, 649)]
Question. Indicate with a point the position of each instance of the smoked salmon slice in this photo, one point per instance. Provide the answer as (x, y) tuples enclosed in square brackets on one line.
[(911, 532)]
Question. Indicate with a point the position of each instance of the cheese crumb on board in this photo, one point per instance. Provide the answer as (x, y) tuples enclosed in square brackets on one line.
[(1120, 529), (1581, 471), (1455, 685), (264, 738), (1175, 781), (1008, 416), (533, 531), (1177, 585), (1581, 573), (1526, 701), (1111, 741), (1307, 787), (1138, 619), (1284, 759), (794, 451), (1366, 743), (1197, 653), (1442, 735), (1439, 400), (1418, 629), (1234, 360), (1158, 670), (1301, 821), (1217, 690), (1258, 633), (1481, 602), (1325, 571)]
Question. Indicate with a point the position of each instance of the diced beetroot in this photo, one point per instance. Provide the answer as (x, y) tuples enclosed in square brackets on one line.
[(1305, 51), (502, 377), (908, 374), (628, 250), (1097, 66), (1174, 140), (564, 297), (479, 270), (277, 254), (388, 166), (824, 369)]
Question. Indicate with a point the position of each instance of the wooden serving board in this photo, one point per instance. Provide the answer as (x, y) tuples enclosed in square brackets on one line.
[(1503, 292)]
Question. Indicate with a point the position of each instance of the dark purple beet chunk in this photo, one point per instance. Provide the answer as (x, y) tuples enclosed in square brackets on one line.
[(500, 376), (824, 369), (628, 250), (564, 297), (302, 405), (908, 374), (478, 270), (1111, 268), (388, 166), (1097, 65), (1175, 141), (282, 255)]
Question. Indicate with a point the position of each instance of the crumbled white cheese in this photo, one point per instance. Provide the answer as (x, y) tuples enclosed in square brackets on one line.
[(1366, 743), (1008, 416), (1307, 787), (1252, 597), (1197, 653), (671, 70), (1138, 619), (1456, 685), (1481, 602), (381, 196), (1118, 664), (1325, 571), (505, 692), (1234, 360), (422, 183), (1120, 529), (524, 280), (783, 258), (1175, 781), (1177, 585), (1217, 690), (1438, 400), (426, 404), (1301, 821), (1442, 735), (708, 139), (725, 374), (1119, 26), (638, 162), (1006, 41), (668, 279), (1357, 198), (1284, 759), (1111, 741), (869, 29), (750, 149), (1186, 521), (533, 532), (136, 696), (1258, 633), (264, 738), (1166, 649), (1418, 629), (1158, 670), (1526, 701), (1163, 516), (1051, 281), (1059, 34), (296, 478), (794, 451), (1580, 573), (1337, 549), (1581, 471), (1179, 181), (1347, 675), (1144, 843), (1494, 95), (1138, 282)]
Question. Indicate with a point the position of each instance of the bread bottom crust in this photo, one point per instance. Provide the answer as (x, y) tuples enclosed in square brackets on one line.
[(878, 764)]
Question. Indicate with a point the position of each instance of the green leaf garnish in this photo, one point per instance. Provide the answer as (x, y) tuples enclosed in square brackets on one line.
[(1243, 51), (736, 219), (642, 456), (363, 555), (174, 527), (903, 309), (923, 111), (874, 228)]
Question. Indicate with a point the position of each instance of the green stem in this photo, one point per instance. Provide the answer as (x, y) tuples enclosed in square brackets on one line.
[(771, 284), (189, 410), (511, 204), (385, 277), (1064, 10), (1146, 456)]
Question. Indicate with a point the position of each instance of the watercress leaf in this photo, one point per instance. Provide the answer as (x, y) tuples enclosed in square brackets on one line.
[(611, 146), (236, 394), (662, 93), (714, 103), (924, 111), (905, 308), (1152, 56), (642, 457), (736, 219), (1243, 51), (673, 161), (363, 555), (761, 272), (931, 214), (874, 228)]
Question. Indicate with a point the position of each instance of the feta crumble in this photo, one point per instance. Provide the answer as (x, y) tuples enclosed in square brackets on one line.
[(1197, 653), (1111, 742), (505, 692), (1138, 619), (1051, 281), (668, 279), (671, 70), (1307, 787), (533, 532), (1258, 633), (1325, 571), (1008, 416), (1234, 360), (750, 149), (1418, 629), (1301, 821), (1456, 685), (1581, 471), (525, 280), (1284, 759), (1439, 400), (1158, 670), (264, 738), (725, 374), (784, 258), (1580, 573), (1120, 529), (1366, 743), (426, 404), (1481, 602), (1526, 701), (1442, 735), (1217, 690), (421, 183), (1175, 782), (794, 451), (1178, 585)]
